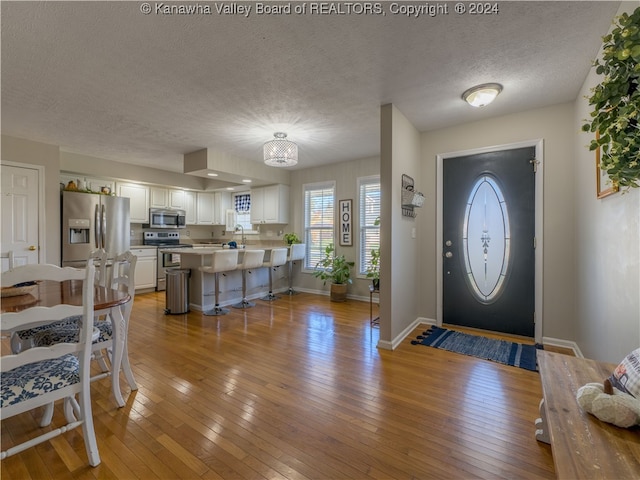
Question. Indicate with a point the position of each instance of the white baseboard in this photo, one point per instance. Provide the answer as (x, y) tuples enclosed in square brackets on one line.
[(558, 342)]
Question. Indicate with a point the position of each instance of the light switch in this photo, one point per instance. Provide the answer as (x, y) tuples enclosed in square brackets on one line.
[(413, 232)]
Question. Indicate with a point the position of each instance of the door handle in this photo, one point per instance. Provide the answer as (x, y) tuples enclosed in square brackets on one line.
[(448, 255), (33, 248)]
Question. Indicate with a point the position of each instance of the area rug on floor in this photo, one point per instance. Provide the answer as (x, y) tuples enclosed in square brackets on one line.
[(501, 351)]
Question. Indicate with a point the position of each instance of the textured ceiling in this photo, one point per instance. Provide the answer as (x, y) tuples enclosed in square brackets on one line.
[(103, 79)]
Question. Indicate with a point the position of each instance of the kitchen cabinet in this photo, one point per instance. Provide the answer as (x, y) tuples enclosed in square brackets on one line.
[(138, 201), (177, 199), (222, 203), (270, 204), (190, 207), (158, 197), (205, 212), (146, 268)]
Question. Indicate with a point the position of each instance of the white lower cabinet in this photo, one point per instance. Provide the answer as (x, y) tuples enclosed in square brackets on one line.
[(146, 267)]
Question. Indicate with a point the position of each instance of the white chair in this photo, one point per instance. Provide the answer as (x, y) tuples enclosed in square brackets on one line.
[(277, 258), (7, 260), (122, 278), (298, 252), (99, 257), (251, 259), (221, 261), (39, 376)]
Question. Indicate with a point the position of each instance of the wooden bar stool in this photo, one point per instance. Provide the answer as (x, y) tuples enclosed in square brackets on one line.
[(221, 261), (277, 258), (297, 252), (251, 259)]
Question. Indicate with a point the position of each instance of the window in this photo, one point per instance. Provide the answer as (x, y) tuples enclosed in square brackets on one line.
[(319, 200), (242, 206), (369, 193)]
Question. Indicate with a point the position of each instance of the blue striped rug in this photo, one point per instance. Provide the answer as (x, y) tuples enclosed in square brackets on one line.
[(501, 351)]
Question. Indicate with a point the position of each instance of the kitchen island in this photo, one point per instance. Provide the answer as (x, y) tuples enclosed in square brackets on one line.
[(201, 285)]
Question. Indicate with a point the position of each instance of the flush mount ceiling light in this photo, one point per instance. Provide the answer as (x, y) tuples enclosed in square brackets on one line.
[(280, 152), (482, 95)]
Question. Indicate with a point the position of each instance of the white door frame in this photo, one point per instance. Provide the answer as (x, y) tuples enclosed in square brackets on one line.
[(539, 180), (41, 203)]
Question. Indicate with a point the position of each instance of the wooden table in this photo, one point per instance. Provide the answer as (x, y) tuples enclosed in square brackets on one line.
[(582, 445), (107, 301)]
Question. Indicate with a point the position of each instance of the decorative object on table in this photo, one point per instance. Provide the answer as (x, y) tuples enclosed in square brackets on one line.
[(345, 208), (410, 198), (337, 270), (617, 399), (373, 269), (500, 351), (280, 152), (291, 238), (24, 288), (616, 103)]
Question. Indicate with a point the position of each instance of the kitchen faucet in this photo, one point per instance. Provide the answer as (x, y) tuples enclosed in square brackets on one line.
[(243, 238)]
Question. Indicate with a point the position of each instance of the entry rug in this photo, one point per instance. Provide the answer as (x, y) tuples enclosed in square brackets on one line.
[(501, 351)]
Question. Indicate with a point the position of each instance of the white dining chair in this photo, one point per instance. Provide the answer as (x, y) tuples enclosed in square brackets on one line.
[(39, 376)]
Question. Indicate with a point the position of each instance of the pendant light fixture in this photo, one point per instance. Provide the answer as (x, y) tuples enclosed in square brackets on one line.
[(280, 152), (482, 95)]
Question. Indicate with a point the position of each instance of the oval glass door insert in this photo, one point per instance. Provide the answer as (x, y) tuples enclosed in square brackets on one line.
[(486, 239)]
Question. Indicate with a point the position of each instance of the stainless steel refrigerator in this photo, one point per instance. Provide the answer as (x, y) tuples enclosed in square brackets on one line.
[(91, 221)]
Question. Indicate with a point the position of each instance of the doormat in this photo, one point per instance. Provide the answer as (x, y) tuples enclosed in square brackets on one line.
[(501, 351)]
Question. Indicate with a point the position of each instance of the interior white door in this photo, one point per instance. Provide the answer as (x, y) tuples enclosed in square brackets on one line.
[(19, 205)]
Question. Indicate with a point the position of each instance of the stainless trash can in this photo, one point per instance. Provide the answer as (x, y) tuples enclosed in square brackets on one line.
[(177, 292)]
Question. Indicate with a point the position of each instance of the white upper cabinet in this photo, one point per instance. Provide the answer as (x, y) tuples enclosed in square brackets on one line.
[(158, 197), (177, 199), (205, 211), (270, 204), (138, 201), (190, 207)]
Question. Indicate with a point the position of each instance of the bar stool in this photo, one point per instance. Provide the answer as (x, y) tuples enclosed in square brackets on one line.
[(221, 261), (251, 259), (277, 258), (298, 252)]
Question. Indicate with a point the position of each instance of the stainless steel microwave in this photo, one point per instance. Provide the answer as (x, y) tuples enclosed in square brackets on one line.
[(166, 218)]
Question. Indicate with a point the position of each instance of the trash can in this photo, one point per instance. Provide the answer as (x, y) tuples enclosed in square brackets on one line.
[(177, 292)]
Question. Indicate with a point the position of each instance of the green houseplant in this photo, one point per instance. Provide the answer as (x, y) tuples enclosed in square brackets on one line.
[(616, 103), (337, 270), (373, 269), (291, 238)]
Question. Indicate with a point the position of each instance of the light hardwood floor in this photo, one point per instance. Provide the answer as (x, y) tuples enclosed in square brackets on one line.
[(295, 389)]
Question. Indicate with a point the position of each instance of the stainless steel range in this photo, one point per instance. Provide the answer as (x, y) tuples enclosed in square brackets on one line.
[(166, 261)]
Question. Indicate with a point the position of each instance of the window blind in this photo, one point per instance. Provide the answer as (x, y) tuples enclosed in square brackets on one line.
[(369, 191), (319, 200)]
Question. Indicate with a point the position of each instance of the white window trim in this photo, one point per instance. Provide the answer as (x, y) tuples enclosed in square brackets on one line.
[(311, 186), (360, 181)]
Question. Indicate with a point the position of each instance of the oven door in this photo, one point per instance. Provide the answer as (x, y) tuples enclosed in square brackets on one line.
[(166, 261)]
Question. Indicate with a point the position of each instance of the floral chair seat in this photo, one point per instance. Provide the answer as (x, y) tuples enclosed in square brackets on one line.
[(39, 378)]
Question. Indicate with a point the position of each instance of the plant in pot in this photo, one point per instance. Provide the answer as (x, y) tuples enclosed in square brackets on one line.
[(373, 269), (337, 270), (291, 238), (616, 103)]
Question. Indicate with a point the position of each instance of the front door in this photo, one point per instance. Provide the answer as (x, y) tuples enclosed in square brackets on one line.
[(19, 207), (488, 241)]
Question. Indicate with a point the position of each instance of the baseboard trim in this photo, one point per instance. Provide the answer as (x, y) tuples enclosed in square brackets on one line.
[(558, 342)]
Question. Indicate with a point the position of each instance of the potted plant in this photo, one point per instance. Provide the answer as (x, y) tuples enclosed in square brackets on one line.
[(337, 270), (291, 238), (373, 269), (616, 103)]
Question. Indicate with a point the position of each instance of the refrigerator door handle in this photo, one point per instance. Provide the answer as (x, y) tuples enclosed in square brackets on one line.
[(96, 227), (104, 228)]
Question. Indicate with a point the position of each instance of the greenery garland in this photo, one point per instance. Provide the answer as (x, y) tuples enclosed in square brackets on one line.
[(616, 103)]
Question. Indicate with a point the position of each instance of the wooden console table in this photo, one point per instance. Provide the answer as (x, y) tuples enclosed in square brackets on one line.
[(583, 447)]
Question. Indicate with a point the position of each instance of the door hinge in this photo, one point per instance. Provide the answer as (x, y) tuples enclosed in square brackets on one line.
[(535, 163)]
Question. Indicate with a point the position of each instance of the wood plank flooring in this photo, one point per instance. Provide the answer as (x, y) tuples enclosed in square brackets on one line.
[(295, 389)]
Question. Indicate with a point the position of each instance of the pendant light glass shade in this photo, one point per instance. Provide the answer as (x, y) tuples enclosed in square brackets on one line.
[(482, 95), (280, 152)]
